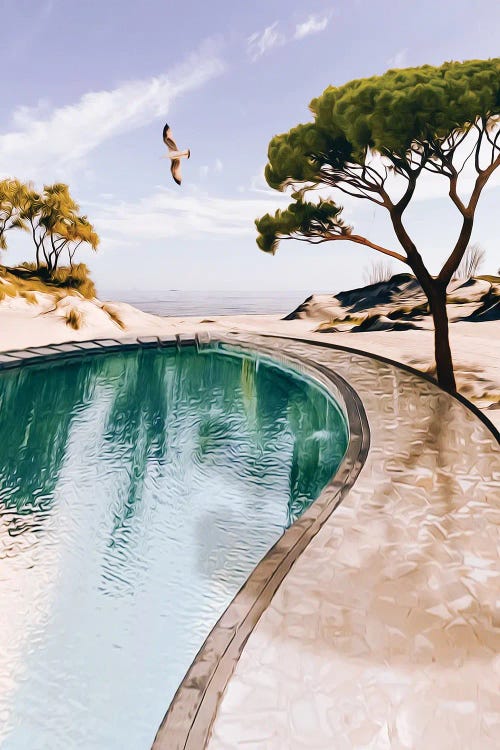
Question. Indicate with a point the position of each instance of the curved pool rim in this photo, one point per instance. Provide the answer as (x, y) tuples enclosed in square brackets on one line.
[(10, 359), (190, 715)]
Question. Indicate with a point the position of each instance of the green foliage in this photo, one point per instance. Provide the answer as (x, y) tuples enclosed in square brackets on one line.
[(300, 218), (13, 195), (292, 157), (56, 225), (402, 107), (393, 113), (52, 217), (400, 123), (412, 118)]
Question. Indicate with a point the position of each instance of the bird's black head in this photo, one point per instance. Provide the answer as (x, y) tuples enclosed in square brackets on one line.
[(166, 127)]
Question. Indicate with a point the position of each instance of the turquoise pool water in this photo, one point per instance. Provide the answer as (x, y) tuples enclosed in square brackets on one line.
[(137, 492)]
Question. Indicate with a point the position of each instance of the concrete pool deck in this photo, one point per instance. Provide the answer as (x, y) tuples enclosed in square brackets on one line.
[(384, 632)]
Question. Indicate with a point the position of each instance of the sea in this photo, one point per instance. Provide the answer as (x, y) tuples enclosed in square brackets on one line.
[(175, 302)]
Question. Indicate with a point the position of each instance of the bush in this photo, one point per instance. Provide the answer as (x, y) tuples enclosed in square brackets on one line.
[(30, 297), (378, 272), (74, 318), (76, 278), (114, 315), (469, 265)]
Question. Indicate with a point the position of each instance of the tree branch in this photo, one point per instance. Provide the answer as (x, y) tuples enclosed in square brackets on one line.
[(458, 251), (360, 194), (478, 147), (481, 181), (363, 178), (453, 261), (453, 192), (356, 238)]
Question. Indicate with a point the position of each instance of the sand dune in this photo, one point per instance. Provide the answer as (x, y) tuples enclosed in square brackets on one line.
[(399, 299)]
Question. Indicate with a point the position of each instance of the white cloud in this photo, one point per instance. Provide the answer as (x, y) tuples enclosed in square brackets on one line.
[(167, 213), (47, 144), (313, 25), (399, 59), (218, 166), (263, 41)]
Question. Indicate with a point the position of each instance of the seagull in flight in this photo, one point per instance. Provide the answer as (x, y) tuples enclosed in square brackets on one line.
[(174, 154)]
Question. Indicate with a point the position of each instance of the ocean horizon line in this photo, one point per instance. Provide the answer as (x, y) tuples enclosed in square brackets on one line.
[(177, 302)]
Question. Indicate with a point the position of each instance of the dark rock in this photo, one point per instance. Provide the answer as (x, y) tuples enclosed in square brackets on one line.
[(489, 309), (381, 323)]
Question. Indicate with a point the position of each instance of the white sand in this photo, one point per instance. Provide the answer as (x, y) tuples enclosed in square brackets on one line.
[(475, 345)]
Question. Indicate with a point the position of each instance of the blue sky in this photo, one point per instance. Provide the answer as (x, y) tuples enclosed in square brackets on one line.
[(91, 84)]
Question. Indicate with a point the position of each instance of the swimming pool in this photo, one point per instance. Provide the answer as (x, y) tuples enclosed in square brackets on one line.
[(138, 490)]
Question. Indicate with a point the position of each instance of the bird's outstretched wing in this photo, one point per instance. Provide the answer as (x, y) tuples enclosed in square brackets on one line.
[(168, 140), (175, 168)]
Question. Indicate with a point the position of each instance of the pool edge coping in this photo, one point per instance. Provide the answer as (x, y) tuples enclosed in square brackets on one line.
[(70, 349), (225, 631), (192, 711), (479, 413), (190, 715)]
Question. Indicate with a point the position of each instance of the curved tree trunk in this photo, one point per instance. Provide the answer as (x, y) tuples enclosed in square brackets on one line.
[(442, 350), (435, 291)]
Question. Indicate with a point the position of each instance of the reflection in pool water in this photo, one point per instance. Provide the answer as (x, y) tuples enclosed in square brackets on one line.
[(137, 492)]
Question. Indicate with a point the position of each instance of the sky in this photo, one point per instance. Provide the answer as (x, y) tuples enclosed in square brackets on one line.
[(90, 85)]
